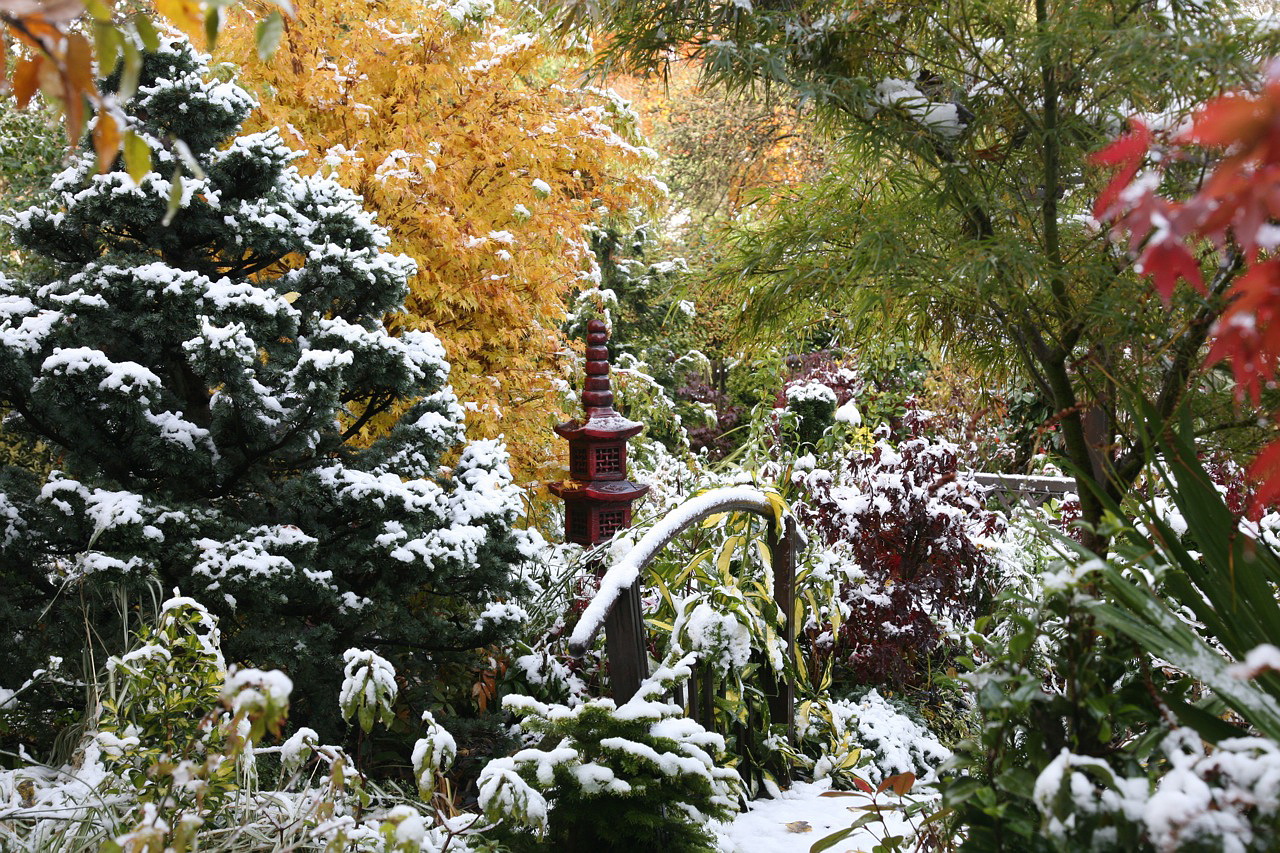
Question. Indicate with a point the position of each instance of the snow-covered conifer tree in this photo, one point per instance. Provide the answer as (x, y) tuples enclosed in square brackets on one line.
[(204, 384)]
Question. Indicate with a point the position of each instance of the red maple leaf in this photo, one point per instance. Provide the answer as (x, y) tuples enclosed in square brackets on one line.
[(1246, 333), (1227, 120), (1127, 152), (1166, 260), (1265, 472)]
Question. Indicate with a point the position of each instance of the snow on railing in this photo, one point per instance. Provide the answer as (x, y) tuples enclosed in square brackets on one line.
[(626, 571), (1024, 489)]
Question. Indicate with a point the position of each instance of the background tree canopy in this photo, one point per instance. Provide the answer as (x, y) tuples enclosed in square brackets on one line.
[(959, 206), (473, 142)]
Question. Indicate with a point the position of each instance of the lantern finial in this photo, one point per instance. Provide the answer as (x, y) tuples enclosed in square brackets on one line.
[(597, 393)]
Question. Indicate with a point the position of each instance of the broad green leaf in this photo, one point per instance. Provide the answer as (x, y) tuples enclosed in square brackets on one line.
[(98, 10), (137, 156), (268, 34), (146, 31), (106, 47), (212, 26), (132, 68)]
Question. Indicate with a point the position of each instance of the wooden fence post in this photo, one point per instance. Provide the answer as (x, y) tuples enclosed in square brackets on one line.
[(624, 645), (783, 545)]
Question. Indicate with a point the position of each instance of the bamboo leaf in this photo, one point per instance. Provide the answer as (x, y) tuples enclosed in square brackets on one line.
[(174, 199), (831, 840)]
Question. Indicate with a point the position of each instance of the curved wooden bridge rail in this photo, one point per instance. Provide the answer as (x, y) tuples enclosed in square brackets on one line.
[(616, 605)]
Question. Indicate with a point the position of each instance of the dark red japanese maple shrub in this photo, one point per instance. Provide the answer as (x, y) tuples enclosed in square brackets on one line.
[(910, 538)]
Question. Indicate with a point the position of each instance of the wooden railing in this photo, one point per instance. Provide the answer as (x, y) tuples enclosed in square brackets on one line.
[(616, 604), (1015, 488)]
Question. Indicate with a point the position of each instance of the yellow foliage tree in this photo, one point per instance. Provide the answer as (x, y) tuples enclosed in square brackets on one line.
[(478, 150)]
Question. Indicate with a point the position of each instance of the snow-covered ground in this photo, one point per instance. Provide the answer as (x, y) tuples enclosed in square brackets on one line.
[(801, 817)]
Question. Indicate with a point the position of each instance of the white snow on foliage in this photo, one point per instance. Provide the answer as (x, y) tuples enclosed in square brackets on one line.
[(687, 749), (433, 753), (368, 680), (802, 392), (941, 118), (894, 742), (1205, 799), (1260, 659), (469, 10), (720, 638), (253, 689), (625, 571), (127, 379), (794, 819), (849, 414), (254, 556), (496, 612)]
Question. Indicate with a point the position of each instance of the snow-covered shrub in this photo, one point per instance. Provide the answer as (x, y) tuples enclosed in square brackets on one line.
[(1158, 724), (203, 376), (177, 762), (163, 724), (870, 390), (1223, 798), (1047, 675), (718, 605), (173, 739), (882, 740), (600, 776), (640, 396), (433, 754), (811, 406), (908, 539), (369, 688)]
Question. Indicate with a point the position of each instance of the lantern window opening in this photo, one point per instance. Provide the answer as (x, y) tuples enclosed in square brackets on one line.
[(578, 457), (609, 459), (610, 521)]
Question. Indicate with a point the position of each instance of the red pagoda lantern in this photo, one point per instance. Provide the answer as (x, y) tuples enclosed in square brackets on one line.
[(598, 494)]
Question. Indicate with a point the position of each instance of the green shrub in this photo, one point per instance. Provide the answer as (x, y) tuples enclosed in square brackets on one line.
[(608, 778), (203, 374)]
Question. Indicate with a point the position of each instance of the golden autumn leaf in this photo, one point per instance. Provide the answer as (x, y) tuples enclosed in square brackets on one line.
[(80, 65), (186, 15), (26, 79), (106, 139)]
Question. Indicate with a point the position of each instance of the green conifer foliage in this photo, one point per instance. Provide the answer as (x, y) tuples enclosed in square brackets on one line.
[(202, 381)]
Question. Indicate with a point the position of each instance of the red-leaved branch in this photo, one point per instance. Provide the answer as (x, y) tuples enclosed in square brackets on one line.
[(1236, 208)]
